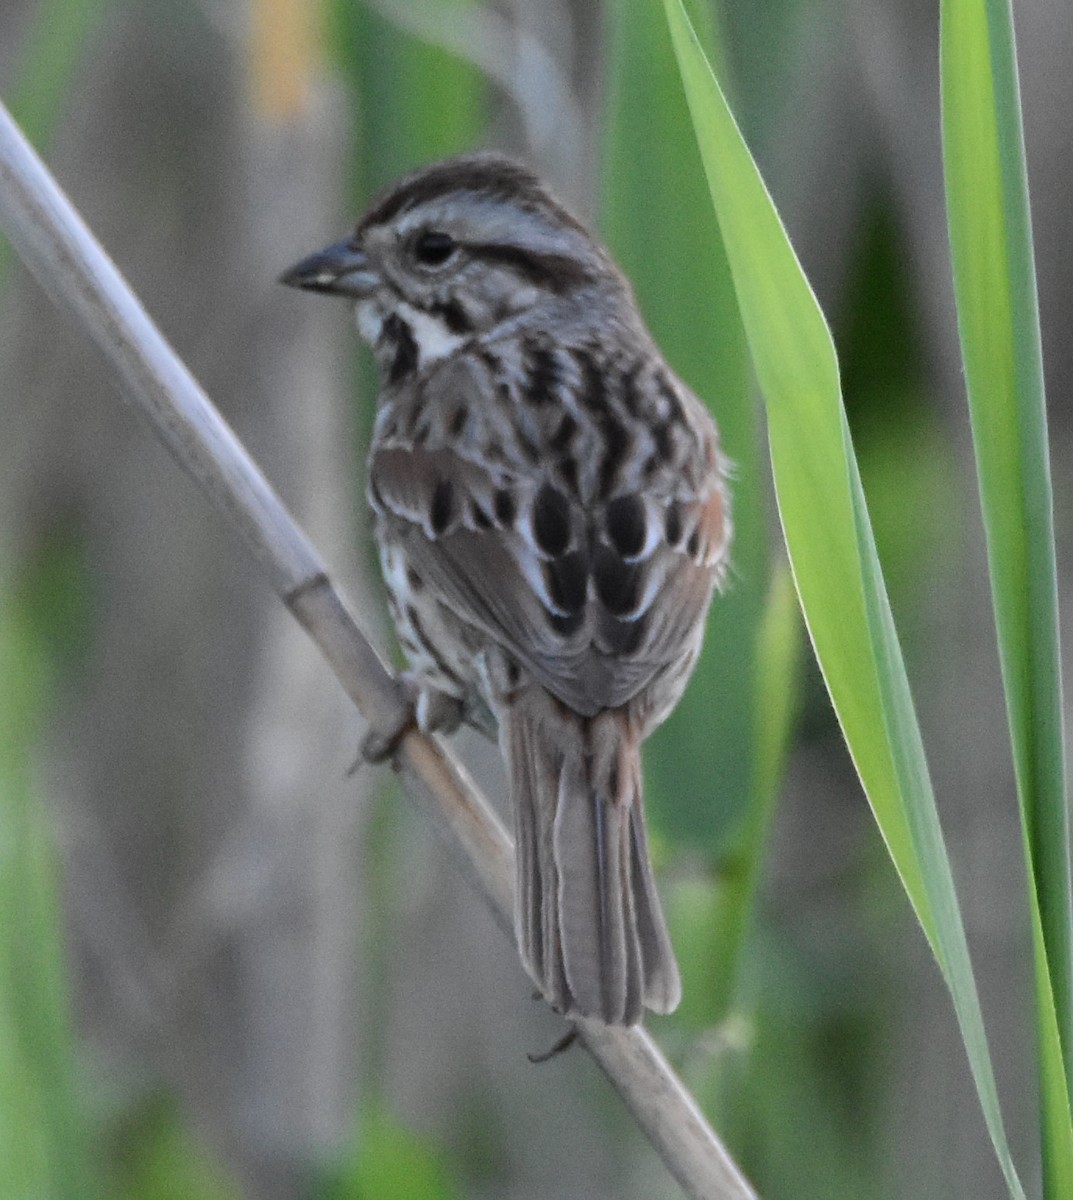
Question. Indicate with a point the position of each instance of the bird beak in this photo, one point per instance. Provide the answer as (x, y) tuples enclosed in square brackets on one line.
[(340, 270)]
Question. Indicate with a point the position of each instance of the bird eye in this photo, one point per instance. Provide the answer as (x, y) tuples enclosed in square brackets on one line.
[(433, 247)]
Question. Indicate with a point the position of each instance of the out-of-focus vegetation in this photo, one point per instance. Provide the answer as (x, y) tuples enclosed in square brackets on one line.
[(156, 1040)]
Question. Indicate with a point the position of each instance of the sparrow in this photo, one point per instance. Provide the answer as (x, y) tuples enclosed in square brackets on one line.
[(551, 508)]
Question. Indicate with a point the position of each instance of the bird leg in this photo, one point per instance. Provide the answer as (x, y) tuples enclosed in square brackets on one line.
[(426, 709)]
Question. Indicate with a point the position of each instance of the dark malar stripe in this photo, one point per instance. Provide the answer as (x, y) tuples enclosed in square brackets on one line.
[(397, 334)]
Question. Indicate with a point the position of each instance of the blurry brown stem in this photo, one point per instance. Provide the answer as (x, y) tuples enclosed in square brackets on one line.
[(71, 266)]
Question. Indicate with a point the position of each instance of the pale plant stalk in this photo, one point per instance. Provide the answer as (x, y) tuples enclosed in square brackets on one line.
[(70, 265)]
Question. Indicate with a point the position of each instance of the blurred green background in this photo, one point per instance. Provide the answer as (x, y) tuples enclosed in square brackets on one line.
[(229, 970)]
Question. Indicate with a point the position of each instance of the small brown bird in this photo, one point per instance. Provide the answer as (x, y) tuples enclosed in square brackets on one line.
[(552, 515)]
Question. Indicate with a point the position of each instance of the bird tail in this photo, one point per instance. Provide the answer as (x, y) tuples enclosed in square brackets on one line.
[(587, 914)]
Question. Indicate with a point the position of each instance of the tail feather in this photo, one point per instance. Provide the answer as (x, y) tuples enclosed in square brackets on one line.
[(590, 928), (662, 985), (529, 897)]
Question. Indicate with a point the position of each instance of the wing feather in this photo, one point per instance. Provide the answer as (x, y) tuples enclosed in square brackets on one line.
[(592, 650)]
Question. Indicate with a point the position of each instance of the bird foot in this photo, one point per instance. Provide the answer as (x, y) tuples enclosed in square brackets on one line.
[(426, 710), (379, 746), (564, 1043)]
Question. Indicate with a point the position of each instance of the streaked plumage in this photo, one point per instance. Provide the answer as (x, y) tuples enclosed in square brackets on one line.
[(552, 516)]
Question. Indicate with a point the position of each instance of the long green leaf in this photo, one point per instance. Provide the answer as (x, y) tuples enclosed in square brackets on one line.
[(998, 320), (831, 548)]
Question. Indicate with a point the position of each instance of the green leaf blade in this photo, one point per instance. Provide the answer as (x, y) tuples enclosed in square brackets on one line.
[(831, 547), (998, 323)]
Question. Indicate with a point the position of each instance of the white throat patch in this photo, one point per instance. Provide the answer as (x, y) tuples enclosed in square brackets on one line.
[(431, 336), (434, 340), (369, 320)]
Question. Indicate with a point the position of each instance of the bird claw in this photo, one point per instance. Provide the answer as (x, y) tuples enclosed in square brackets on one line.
[(564, 1043), (382, 745), (379, 746), (426, 710)]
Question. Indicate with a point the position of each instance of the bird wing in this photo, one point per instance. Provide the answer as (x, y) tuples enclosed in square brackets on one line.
[(594, 604)]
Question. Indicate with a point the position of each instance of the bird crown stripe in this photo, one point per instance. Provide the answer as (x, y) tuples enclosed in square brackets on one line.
[(486, 175)]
